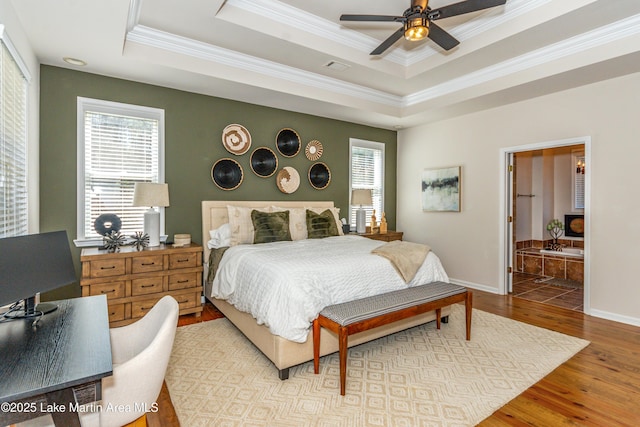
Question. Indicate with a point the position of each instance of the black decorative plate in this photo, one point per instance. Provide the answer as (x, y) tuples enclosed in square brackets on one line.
[(106, 223), (288, 142), (227, 174), (264, 162), (319, 176)]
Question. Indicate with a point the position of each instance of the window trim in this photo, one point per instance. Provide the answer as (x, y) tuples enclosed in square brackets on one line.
[(111, 107), (362, 143)]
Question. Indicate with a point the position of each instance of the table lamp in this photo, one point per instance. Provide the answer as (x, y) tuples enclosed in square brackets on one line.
[(151, 194), (361, 197)]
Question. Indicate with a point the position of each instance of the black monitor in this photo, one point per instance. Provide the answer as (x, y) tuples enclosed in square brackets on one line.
[(32, 264)]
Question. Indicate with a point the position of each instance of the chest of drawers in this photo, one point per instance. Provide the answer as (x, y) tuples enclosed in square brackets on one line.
[(134, 281)]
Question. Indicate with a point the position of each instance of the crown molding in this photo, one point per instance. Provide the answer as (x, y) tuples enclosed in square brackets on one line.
[(170, 42), (616, 31), (330, 30)]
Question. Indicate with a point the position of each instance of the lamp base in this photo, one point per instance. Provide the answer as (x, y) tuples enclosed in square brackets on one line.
[(152, 226), (361, 221)]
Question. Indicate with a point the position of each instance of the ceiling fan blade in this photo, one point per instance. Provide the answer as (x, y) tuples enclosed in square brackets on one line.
[(370, 18), (463, 7), (388, 42), (441, 37)]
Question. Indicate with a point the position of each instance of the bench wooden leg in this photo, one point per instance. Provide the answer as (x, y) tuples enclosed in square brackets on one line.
[(343, 337), (438, 317), (316, 346), (468, 305)]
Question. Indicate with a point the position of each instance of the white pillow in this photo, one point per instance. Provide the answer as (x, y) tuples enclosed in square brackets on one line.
[(297, 221), (241, 225), (336, 216), (220, 237)]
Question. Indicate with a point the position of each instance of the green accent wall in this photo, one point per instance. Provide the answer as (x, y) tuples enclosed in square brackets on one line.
[(193, 142)]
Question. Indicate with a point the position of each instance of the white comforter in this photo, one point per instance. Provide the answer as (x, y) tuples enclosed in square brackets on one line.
[(284, 285)]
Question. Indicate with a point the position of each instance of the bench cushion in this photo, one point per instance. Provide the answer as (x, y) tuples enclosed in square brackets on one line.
[(350, 312)]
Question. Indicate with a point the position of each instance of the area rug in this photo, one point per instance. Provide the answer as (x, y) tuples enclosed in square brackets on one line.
[(418, 377)]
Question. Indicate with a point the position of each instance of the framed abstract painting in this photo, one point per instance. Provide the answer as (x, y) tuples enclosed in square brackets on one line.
[(441, 189)]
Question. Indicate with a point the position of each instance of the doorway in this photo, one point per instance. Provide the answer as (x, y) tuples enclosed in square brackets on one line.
[(546, 193)]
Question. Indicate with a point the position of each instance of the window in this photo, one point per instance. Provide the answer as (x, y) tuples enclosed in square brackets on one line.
[(578, 179), (367, 171), (118, 145), (13, 141)]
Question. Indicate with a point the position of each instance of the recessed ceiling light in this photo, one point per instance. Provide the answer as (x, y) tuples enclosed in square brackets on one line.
[(74, 61), (336, 66)]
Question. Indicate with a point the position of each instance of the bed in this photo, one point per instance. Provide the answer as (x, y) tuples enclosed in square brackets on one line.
[(288, 342)]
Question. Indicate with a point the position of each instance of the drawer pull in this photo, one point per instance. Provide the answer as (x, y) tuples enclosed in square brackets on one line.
[(183, 281), (183, 260), (107, 292), (148, 286), (183, 301), (148, 263), (111, 267)]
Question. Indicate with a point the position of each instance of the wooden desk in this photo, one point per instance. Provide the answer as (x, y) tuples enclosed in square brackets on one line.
[(52, 367)]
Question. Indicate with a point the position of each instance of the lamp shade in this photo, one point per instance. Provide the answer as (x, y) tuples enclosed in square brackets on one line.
[(361, 196), (151, 194)]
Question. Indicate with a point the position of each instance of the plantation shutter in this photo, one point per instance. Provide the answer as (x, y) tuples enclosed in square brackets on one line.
[(119, 151), (13, 145), (367, 173)]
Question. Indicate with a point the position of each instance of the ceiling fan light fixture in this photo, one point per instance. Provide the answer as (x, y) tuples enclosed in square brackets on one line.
[(416, 28)]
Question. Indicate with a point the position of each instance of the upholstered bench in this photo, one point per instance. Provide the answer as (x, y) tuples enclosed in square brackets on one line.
[(367, 313)]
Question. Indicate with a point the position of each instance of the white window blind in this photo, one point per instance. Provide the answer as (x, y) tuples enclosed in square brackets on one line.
[(120, 145), (13, 145), (367, 172)]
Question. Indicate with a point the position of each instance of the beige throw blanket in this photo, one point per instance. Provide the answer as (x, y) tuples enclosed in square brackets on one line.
[(406, 257)]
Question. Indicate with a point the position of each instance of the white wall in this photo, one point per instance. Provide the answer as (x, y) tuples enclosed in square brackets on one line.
[(17, 35), (468, 242)]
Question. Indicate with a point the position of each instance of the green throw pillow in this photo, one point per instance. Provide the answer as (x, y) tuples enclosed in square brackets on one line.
[(321, 225), (270, 226)]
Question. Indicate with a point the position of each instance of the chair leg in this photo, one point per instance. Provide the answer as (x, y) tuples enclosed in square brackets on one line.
[(468, 305), (343, 337)]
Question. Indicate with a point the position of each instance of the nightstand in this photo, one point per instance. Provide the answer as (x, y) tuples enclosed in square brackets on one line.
[(134, 281), (387, 237)]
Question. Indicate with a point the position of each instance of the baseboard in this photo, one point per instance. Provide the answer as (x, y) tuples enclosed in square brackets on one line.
[(633, 321), (477, 286)]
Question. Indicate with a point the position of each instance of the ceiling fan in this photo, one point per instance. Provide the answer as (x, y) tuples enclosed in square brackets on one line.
[(418, 21)]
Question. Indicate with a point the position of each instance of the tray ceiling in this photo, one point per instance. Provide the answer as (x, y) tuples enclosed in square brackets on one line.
[(276, 52)]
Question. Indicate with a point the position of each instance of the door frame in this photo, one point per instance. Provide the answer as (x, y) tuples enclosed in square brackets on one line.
[(506, 196)]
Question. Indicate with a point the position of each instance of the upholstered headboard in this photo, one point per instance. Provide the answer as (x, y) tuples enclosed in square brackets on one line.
[(214, 213)]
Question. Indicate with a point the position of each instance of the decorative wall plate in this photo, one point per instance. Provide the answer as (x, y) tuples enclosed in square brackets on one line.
[(106, 223), (227, 174), (264, 162), (288, 142), (313, 150), (236, 139), (319, 176), (288, 180)]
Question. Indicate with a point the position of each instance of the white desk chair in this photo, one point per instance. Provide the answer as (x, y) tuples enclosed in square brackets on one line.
[(140, 353)]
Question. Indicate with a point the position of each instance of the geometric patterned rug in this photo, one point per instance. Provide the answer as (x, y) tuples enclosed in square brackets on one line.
[(421, 376)]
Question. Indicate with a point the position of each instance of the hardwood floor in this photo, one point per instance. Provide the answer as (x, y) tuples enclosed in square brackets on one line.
[(600, 386)]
